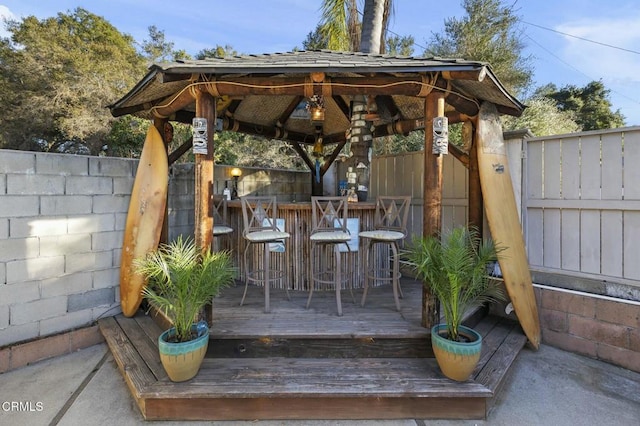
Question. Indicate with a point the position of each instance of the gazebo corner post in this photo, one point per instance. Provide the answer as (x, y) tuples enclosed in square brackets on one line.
[(432, 207), (203, 227)]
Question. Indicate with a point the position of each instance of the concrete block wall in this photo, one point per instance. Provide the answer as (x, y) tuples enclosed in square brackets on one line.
[(62, 221), (61, 225), (596, 326)]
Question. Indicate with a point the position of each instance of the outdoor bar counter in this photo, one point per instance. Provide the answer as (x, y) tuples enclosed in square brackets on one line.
[(296, 257)]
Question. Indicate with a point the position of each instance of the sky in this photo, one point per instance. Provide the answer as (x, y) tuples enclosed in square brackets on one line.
[(570, 42)]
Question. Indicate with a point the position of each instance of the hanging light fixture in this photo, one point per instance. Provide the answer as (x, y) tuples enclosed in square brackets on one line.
[(315, 105)]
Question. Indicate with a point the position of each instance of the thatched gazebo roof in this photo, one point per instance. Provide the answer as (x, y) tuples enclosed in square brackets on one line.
[(263, 94)]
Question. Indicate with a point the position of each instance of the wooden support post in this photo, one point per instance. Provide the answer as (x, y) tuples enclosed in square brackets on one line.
[(475, 214), (205, 108), (432, 208)]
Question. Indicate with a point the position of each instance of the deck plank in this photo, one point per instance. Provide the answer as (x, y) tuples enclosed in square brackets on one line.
[(294, 363), (326, 408), (497, 367), (137, 375), (146, 347), (317, 377)]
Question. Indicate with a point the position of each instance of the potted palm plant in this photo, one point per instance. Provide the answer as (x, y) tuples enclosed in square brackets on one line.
[(456, 269), (182, 280)]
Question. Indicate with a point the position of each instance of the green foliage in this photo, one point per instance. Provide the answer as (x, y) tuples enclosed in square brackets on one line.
[(400, 46), (57, 76), (225, 51), (182, 280), (315, 40), (543, 118), (589, 104), (252, 151), (126, 137), (339, 25), (455, 267), (158, 49), (487, 33)]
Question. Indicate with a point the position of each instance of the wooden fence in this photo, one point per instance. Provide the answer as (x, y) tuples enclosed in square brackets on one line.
[(582, 202), (403, 175)]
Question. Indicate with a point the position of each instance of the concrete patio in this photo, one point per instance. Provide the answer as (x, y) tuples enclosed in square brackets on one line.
[(548, 387)]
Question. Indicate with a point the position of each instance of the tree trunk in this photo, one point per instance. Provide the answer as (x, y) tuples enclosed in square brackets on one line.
[(372, 20)]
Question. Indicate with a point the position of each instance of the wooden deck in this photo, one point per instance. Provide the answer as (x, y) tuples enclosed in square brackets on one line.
[(294, 363)]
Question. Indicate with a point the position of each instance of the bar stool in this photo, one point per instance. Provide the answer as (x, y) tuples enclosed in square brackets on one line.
[(260, 227), (390, 228), (329, 231), (221, 228)]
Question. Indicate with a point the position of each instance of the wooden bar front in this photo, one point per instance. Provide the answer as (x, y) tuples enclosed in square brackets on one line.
[(296, 259)]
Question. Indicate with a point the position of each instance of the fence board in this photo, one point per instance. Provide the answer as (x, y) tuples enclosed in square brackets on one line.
[(590, 167), (448, 177), (612, 237), (570, 240), (551, 244), (417, 164), (590, 241), (534, 169), (612, 166), (552, 171), (631, 245), (534, 237), (571, 168), (631, 171)]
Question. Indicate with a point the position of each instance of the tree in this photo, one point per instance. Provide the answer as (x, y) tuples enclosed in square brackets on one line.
[(374, 19), (315, 40), (158, 49), (57, 77), (589, 104), (543, 118), (225, 51), (487, 33), (400, 46)]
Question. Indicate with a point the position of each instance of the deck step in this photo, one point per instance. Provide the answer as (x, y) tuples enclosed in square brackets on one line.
[(307, 387)]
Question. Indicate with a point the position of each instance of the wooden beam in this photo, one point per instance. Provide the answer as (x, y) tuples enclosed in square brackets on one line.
[(344, 107), (432, 207), (174, 103), (288, 111), (472, 75), (303, 154), (180, 151), (460, 155), (376, 85), (205, 108)]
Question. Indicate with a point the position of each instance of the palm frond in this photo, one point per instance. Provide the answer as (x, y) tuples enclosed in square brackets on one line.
[(454, 266), (182, 279)]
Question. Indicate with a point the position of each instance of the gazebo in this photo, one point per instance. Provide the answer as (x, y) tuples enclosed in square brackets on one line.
[(360, 97), (263, 94)]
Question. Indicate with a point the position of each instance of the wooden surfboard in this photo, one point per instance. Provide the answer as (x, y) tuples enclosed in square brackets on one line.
[(144, 218), (504, 223)]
